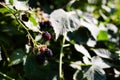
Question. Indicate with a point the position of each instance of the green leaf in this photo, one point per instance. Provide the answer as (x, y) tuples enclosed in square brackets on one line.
[(34, 71), (62, 21), (33, 20), (104, 53), (78, 36), (3, 10), (11, 2), (102, 36), (95, 73), (17, 57)]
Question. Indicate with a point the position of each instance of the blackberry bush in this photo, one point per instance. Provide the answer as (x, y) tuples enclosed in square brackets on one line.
[(85, 40)]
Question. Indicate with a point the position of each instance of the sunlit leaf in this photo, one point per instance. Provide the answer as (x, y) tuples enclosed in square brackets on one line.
[(31, 26), (117, 73), (112, 27), (95, 73), (63, 22), (82, 49), (91, 27), (86, 60), (20, 5), (100, 62), (104, 53), (78, 75), (91, 42), (89, 18), (76, 65)]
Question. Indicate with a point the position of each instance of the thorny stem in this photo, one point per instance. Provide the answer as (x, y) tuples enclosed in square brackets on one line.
[(6, 76), (60, 59)]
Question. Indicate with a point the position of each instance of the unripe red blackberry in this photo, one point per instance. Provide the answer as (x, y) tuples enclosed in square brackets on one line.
[(41, 58), (24, 17), (46, 35), (43, 49), (48, 53)]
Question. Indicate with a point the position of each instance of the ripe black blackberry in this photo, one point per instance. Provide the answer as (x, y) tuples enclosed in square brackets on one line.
[(48, 53), (24, 17), (41, 58), (46, 35)]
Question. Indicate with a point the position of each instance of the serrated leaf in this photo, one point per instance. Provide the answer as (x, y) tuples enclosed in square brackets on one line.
[(95, 73), (89, 18), (102, 36), (81, 49), (62, 21), (100, 62), (91, 27), (104, 53), (34, 71), (17, 57)]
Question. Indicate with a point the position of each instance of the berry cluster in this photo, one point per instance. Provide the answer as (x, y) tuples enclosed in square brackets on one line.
[(43, 51), (42, 18), (43, 54)]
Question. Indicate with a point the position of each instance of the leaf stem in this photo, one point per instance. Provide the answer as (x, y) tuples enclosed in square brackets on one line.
[(6, 76), (60, 59)]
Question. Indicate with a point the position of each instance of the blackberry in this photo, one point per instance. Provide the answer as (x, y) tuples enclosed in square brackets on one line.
[(24, 17), (43, 49), (48, 53), (41, 58), (46, 35), (44, 24)]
